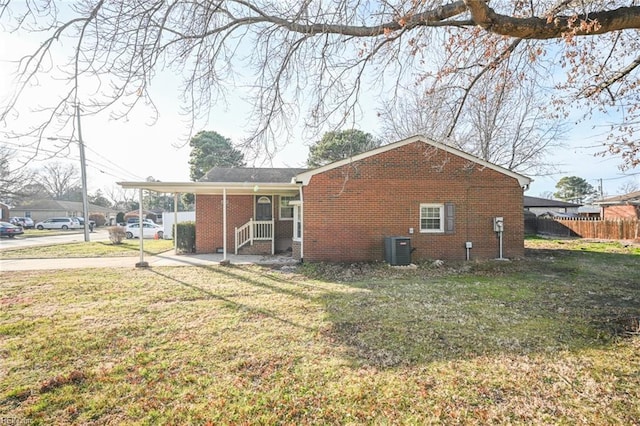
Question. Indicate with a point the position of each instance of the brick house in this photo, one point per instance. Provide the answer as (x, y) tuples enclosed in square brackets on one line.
[(541, 206), (4, 212), (436, 195), (625, 206)]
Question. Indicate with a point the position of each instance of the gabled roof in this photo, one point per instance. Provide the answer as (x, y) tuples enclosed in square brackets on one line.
[(306, 176), (250, 175), (253, 180), (545, 202), (630, 198)]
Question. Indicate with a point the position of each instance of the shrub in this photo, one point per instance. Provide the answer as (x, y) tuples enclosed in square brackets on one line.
[(99, 218), (185, 237), (116, 234)]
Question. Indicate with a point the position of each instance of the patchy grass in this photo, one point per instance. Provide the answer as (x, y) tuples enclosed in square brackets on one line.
[(596, 246), (90, 249), (547, 340), (34, 233)]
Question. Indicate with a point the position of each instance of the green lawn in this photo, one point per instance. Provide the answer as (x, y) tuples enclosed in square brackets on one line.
[(35, 233), (90, 249), (552, 339)]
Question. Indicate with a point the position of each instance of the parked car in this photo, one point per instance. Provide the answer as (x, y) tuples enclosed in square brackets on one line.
[(136, 220), (80, 220), (150, 230), (59, 223), (25, 222), (9, 230)]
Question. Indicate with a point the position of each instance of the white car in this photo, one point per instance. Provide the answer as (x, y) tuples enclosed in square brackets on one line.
[(150, 230), (59, 223)]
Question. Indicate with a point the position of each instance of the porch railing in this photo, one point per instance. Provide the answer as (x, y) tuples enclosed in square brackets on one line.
[(254, 230)]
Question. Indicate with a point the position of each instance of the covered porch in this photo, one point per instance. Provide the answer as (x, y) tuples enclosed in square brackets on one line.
[(234, 218)]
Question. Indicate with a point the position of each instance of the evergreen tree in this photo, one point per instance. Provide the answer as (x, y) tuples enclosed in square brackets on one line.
[(574, 189), (210, 149), (336, 146)]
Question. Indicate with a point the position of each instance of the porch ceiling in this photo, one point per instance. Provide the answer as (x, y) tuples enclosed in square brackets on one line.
[(215, 188)]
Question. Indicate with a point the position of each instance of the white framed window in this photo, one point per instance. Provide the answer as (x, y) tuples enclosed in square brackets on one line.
[(286, 209), (432, 218)]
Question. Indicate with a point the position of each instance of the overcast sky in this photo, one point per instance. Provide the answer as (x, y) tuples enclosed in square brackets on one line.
[(134, 149)]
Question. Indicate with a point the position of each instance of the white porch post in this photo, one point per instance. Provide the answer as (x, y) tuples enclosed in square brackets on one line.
[(301, 225), (273, 224), (142, 263), (174, 231), (224, 223)]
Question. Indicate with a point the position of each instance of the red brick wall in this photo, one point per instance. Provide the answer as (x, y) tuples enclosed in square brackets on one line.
[(621, 212), (209, 231), (295, 249), (349, 211), (258, 247), (240, 208)]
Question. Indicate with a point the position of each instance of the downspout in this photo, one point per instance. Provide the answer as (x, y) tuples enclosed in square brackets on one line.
[(224, 224), (301, 225)]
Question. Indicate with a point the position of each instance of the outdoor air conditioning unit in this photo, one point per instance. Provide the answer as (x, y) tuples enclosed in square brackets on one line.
[(397, 251)]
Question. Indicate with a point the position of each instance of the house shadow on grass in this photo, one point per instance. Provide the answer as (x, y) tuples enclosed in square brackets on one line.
[(551, 301), (228, 301)]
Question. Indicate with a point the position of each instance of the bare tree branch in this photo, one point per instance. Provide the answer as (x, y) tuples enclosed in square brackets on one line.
[(554, 26), (315, 59)]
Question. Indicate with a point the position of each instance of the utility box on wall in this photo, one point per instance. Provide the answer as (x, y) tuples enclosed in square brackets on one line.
[(397, 251)]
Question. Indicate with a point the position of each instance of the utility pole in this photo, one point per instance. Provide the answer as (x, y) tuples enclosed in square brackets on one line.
[(83, 173), (601, 190)]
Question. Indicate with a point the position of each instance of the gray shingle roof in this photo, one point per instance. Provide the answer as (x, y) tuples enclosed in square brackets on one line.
[(250, 174), (545, 202), (45, 204), (630, 198)]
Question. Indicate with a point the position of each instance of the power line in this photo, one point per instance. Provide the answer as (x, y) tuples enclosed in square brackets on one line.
[(114, 164), (96, 165)]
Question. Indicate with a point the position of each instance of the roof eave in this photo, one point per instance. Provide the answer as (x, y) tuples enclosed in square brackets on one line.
[(232, 188)]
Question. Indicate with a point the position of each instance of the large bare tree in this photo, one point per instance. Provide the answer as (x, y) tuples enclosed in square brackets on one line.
[(15, 179), (60, 180), (314, 59), (503, 122)]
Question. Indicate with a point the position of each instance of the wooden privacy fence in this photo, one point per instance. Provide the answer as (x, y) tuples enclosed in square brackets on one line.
[(627, 229)]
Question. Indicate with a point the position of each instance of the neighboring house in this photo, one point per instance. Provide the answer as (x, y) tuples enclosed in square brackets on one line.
[(4, 212), (147, 214), (39, 210), (589, 211), (547, 207), (625, 206), (438, 196)]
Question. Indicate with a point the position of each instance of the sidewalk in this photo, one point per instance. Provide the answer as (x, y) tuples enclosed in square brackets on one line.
[(164, 259)]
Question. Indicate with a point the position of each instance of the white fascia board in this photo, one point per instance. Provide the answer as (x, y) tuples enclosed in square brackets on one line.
[(232, 188), (305, 177)]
